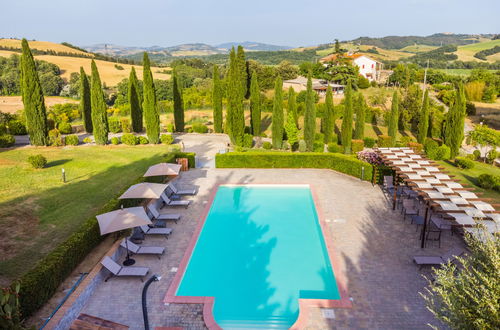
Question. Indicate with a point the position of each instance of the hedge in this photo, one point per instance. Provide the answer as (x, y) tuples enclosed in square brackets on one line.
[(337, 162), (172, 156)]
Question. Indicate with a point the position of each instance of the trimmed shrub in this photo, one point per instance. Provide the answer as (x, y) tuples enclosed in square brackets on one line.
[(172, 156), (488, 181), (334, 147), (464, 163), (143, 140), (7, 140), (200, 128), (3, 129), (430, 148), (65, 128), (71, 140), (338, 162), (357, 146), (491, 156), (129, 139), (335, 138), (319, 146), (115, 140), (442, 153), (16, 127), (319, 137), (166, 138), (37, 161), (114, 124), (247, 141), (267, 145), (417, 147), (477, 154), (169, 128), (302, 146), (384, 141), (87, 140), (126, 126), (55, 138), (369, 142)]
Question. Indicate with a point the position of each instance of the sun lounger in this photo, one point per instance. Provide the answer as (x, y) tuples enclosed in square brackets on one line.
[(117, 270), (438, 260), (185, 191), (162, 216), (170, 202), (136, 249), (156, 231)]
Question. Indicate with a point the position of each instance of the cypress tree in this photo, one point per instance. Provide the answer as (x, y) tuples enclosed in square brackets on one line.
[(309, 116), (255, 104), (347, 120), (328, 116), (236, 118), (99, 115), (242, 68), (423, 121), (394, 117), (277, 121), (292, 132), (454, 131), (85, 102), (149, 106), (134, 99), (33, 100), (217, 100), (359, 129), (178, 104), (292, 105)]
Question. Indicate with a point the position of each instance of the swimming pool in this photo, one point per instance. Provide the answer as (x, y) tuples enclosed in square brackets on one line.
[(260, 250)]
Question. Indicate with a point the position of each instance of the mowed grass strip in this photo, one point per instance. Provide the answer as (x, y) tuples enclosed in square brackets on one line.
[(38, 210)]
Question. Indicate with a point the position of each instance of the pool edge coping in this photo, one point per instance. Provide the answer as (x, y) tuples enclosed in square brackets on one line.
[(304, 304)]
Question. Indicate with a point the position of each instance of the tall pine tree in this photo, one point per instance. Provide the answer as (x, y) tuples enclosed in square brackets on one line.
[(392, 130), (359, 129), (135, 101), (455, 121), (99, 115), (346, 130), (309, 116), (235, 114), (217, 100), (242, 68), (292, 106), (149, 106), (178, 104), (423, 120), (33, 100), (85, 102), (328, 116), (277, 121), (255, 104)]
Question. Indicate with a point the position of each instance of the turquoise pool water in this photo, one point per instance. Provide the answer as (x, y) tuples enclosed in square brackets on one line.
[(260, 250)]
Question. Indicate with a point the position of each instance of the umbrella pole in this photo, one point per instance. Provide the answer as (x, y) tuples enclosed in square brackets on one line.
[(128, 261)]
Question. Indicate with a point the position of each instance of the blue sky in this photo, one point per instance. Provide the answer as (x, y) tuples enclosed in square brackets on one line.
[(291, 22)]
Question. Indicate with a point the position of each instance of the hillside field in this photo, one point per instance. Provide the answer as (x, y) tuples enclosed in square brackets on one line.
[(466, 52), (41, 45), (11, 104)]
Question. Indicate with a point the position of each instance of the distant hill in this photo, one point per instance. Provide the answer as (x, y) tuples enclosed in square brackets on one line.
[(252, 46), (197, 49), (41, 45)]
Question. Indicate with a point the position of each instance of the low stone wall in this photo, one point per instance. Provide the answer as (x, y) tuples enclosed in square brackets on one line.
[(70, 310)]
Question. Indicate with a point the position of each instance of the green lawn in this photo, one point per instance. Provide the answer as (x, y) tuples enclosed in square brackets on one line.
[(38, 211), (470, 176)]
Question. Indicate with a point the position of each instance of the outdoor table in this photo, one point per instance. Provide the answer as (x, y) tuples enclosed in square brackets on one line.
[(480, 205)]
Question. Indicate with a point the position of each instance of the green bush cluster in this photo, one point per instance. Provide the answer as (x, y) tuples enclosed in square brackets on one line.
[(334, 147), (491, 156), (169, 128), (37, 161), (129, 139), (476, 154), (247, 140), (357, 146), (318, 146), (302, 146), (384, 141), (267, 145), (417, 147), (489, 181), (114, 124), (464, 163), (338, 162), (115, 140), (87, 140), (55, 138), (369, 142), (430, 148), (65, 128), (166, 138), (200, 128), (143, 140), (126, 126), (7, 140), (172, 156), (442, 153), (16, 127), (71, 140)]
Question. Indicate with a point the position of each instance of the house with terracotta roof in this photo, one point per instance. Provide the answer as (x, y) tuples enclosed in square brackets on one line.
[(368, 67)]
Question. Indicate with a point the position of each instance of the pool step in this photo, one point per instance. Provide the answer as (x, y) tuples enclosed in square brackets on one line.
[(275, 322)]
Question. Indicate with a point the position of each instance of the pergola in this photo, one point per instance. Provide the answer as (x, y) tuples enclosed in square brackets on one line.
[(441, 193)]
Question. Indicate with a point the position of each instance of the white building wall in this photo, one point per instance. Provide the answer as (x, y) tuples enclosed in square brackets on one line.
[(367, 67)]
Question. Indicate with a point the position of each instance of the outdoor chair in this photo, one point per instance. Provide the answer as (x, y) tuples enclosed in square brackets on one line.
[(162, 216), (418, 220), (156, 231), (137, 235), (438, 260), (149, 250), (170, 202), (119, 271), (177, 191), (409, 207)]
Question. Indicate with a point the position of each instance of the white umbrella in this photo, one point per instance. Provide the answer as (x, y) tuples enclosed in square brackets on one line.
[(123, 219), (144, 190), (163, 169)]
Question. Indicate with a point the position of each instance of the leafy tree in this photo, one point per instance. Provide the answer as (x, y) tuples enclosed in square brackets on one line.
[(235, 115), (277, 126), (466, 294), (217, 100), (410, 108), (134, 99), (242, 71), (292, 132), (85, 102), (392, 130), (337, 47), (455, 121), (359, 128), (178, 105), (32, 95), (287, 70), (423, 122), (341, 71), (404, 75), (255, 105), (99, 115), (309, 116), (328, 116), (149, 105), (292, 105), (346, 130), (484, 136)]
